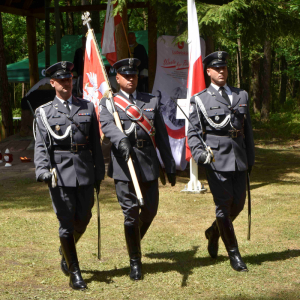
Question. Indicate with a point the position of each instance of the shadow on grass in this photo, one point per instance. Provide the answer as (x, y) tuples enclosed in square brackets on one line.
[(272, 256), (184, 262)]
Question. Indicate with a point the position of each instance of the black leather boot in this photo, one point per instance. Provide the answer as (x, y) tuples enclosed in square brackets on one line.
[(143, 228), (133, 241), (213, 235), (70, 254), (228, 236), (63, 264)]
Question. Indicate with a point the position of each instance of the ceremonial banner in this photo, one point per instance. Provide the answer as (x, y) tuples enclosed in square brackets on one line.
[(108, 41), (94, 84), (171, 82)]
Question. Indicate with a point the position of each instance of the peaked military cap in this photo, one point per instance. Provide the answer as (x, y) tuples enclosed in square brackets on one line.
[(60, 70), (216, 59), (127, 66)]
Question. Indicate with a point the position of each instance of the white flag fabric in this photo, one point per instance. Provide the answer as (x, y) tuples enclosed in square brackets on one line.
[(196, 82)]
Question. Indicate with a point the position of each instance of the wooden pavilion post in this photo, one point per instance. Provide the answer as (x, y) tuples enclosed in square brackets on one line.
[(57, 25), (32, 51), (152, 44), (47, 34)]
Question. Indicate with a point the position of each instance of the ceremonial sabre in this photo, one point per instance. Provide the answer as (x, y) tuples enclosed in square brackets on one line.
[(249, 206), (99, 227), (207, 148), (108, 93)]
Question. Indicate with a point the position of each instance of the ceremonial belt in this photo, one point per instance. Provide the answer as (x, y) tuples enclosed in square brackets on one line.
[(230, 133), (135, 114), (72, 148)]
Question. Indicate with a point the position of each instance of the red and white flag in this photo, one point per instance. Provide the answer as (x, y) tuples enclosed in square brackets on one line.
[(108, 40), (195, 82), (94, 84)]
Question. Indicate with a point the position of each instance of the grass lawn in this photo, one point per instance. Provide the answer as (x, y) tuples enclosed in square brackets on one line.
[(175, 259)]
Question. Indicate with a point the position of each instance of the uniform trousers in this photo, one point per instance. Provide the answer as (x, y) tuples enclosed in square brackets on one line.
[(73, 207), (128, 201), (229, 192)]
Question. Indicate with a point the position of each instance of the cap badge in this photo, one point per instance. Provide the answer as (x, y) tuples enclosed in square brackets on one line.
[(64, 64), (219, 55), (131, 62)]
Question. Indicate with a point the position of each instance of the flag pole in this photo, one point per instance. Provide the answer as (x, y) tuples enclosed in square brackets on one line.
[(126, 37), (108, 94)]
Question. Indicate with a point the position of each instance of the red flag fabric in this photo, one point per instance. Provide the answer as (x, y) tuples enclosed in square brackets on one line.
[(196, 81), (108, 40), (94, 84)]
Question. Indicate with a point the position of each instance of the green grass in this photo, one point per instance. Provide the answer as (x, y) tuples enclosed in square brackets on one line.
[(175, 260)]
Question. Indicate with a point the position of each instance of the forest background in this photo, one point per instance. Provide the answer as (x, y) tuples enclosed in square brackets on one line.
[(261, 37)]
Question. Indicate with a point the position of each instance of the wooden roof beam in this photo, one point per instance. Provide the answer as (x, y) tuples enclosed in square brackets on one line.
[(92, 7), (27, 4), (15, 11)]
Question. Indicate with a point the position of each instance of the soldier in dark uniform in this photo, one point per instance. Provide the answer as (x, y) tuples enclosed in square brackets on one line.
[(69, 128), (137, 142), (221, 115)]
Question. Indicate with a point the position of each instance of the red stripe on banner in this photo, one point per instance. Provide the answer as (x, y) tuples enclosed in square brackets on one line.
[(177, 133)]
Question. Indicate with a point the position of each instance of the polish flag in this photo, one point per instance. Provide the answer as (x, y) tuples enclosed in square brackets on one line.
[(195, 82), (108, 40), (94, 84)]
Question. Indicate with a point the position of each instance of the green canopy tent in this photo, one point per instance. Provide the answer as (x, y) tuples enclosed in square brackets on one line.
[(19, 71)]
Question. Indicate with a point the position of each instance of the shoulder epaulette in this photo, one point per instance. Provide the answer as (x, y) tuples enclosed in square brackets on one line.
[(200, 92), (47, 104)]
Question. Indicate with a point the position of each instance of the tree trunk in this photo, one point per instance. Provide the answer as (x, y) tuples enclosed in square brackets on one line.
[(283, 81), (96, 18), (145, 19), (255, 82), (6, 111), (152, 44), (239, 63), (266, 95), (70, 19), (62, 24), (296, 85), (210, 48)]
